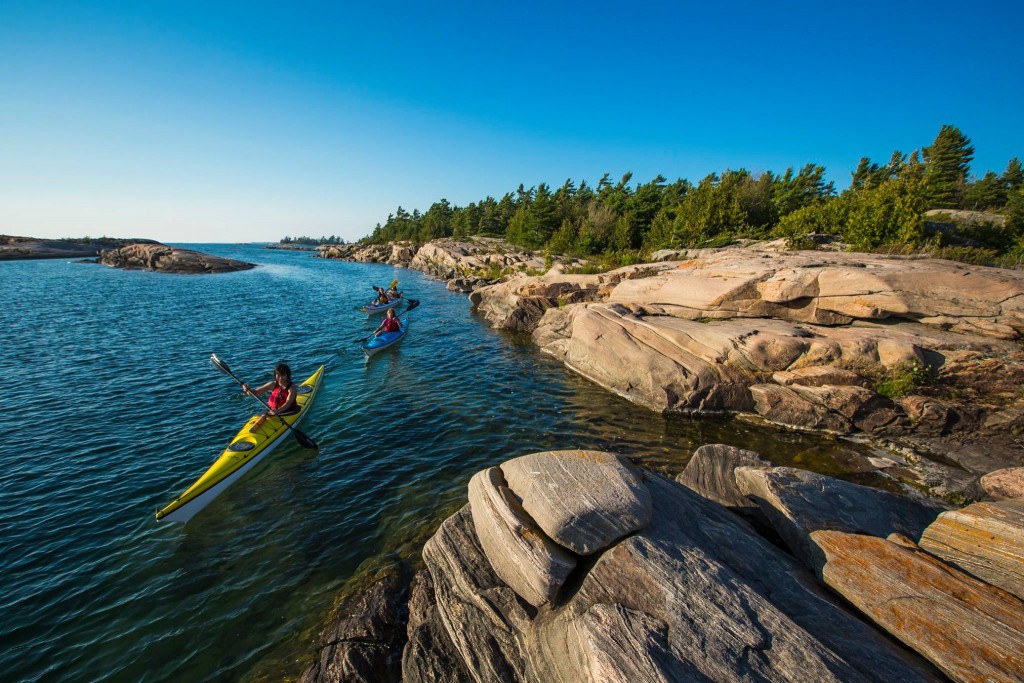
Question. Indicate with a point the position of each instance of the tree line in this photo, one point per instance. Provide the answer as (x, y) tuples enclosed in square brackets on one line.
[(312, 241), (884, 207)]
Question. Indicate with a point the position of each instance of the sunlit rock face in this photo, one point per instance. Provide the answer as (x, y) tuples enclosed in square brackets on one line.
[(677, 588), (164, 259)]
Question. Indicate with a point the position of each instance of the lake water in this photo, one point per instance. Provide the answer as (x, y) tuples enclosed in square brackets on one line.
[(113, 409)]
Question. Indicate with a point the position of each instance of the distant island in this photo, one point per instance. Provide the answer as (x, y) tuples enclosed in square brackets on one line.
[(128, 254), (14, 248)]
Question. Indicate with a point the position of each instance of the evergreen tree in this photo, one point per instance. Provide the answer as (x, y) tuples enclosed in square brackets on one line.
[(543, 217), (947, 163), (1013, 176), (985, 193)]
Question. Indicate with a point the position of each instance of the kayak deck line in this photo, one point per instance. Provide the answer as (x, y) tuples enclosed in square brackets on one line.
[(244, 451)]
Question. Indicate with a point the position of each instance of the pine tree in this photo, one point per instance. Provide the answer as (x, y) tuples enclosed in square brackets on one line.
[(947, 163), (1013, 176), (986, 193)]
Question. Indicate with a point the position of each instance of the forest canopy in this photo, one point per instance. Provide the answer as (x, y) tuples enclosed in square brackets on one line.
[(884, 207)]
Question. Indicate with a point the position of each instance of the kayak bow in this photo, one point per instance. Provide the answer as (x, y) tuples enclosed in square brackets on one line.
[(241, 455)]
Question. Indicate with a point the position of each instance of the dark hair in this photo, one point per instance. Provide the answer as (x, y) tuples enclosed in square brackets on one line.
[(283, 370)]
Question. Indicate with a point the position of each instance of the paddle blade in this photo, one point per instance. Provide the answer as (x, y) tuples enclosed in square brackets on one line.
[(304, 440), (219, 364), (413, 303), (394, 283)]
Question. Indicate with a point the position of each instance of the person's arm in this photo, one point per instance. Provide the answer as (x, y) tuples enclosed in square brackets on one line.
[(260, 390), (379, 328)]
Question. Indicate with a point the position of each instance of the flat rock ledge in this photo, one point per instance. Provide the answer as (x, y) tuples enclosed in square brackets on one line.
[(164, 259), (798, 503), (983, 539), (970, 630), (696, 593)]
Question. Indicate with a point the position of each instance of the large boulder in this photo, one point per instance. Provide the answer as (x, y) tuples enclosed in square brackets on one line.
[(983, 539), (711, 473), (583, 500), (798, 503), (1004, 484), (533, 565), (967, 628)]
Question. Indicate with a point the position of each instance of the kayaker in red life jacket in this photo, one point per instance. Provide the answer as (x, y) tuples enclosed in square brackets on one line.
[(282, 394), (389, 324)]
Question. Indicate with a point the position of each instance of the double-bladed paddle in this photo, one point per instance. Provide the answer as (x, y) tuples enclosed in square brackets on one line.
[(303, 440), (413, 303)]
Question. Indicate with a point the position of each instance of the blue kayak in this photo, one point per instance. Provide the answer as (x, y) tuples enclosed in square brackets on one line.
[(384, 340)]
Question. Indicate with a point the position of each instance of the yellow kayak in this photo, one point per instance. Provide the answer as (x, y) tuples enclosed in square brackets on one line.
[(241, 455)]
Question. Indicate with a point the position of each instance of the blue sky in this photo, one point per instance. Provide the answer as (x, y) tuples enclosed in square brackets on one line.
[(205, 122)]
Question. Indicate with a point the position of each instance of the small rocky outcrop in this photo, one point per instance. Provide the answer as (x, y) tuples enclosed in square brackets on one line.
[(985, 540), (466, 264), (445, 259), (14, 248), (692, 591), (164, 259), (692, 594), (970, 630)]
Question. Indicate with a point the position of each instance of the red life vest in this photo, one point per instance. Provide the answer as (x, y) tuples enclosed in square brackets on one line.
[(391, 325), (278, 397)]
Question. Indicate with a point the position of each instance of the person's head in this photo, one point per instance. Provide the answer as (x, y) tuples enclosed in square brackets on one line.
[(282, 373), (391, 313)]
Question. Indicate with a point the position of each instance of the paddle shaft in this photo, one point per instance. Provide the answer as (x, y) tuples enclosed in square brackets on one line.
[(301, 437)]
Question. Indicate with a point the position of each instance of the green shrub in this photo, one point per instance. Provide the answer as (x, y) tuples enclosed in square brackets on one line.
[(902, 380)]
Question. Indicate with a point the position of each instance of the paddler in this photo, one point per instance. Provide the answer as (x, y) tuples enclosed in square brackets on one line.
[(389, 324), (282, 395)]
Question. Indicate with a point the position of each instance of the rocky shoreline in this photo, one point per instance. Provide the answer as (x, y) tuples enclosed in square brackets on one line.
[(920, 356), (577, 566)]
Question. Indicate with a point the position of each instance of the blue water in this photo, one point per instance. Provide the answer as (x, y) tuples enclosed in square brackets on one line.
[(112, 409)]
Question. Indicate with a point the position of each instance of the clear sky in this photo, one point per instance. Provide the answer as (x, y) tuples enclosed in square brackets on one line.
[(217, 121)]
